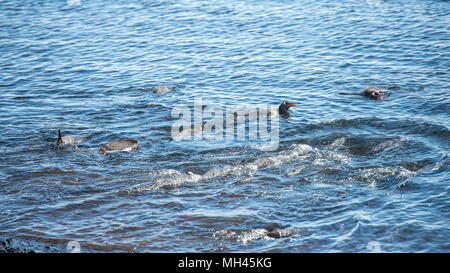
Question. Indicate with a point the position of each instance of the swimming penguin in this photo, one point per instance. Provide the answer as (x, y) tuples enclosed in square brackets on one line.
[(70, 140), (121, 145), (284, 107), (162, 89), (373, 93), (282, 110)]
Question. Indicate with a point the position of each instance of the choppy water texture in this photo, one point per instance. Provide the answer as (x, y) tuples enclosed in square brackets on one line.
[(350, 174)]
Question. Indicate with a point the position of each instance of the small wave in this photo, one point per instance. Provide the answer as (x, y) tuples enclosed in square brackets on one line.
[(390, 144), (337, 143), (406, 126), (242, 236), (376, 175), (170, 178), (296, 156), (295, 159), (227, 213)]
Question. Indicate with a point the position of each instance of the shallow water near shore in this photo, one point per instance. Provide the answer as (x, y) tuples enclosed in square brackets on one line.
[(349, 173)]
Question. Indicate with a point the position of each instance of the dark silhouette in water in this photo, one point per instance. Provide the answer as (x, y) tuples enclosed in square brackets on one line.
[(373, 93), (59, 143), (284, 107), (121, 145)]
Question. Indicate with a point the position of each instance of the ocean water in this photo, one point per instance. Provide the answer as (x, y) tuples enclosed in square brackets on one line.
[(350, 174)]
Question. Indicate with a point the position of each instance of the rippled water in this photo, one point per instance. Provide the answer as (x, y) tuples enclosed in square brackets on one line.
[(349, 174)]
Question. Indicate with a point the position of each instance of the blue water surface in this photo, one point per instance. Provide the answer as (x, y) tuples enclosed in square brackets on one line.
[(350, 174)]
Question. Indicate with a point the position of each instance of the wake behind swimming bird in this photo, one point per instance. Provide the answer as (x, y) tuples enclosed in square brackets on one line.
[(120, 145)]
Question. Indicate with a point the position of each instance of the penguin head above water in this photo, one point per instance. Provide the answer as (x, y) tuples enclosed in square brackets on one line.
[(284, 107), (373, 93)]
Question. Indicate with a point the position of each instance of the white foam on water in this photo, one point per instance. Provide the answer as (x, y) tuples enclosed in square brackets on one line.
[(253, 234), (239, 170), (221, 212), (243, 236), (72, 140), (297, 154), (339, 142), (168, 178), (246, 236), (371, 176)]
